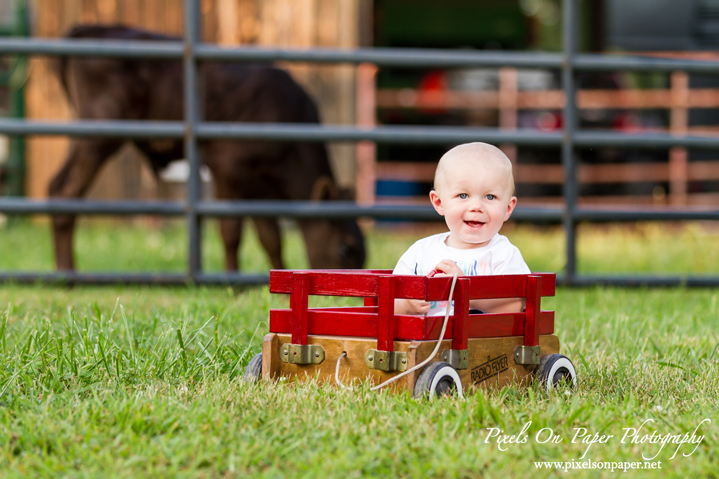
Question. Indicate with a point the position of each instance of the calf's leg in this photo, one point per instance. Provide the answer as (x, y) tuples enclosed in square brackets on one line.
[(234, 169), (72, 181), (226, 189), (231, 231), (269, 232)]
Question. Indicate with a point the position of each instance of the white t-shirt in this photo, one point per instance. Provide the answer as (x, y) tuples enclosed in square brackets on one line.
[(499, 256)]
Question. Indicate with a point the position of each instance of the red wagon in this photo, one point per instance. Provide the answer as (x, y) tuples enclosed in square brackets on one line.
[(373, 343)]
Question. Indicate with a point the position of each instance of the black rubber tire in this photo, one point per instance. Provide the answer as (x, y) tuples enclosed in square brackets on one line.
[(253, 373), (554, 369), (438, 379)]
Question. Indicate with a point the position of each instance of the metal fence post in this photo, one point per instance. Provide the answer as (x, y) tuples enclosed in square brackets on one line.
[(191, 37), (571, 189)]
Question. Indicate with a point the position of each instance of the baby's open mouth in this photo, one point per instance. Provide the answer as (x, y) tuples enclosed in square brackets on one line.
[(474, 224)]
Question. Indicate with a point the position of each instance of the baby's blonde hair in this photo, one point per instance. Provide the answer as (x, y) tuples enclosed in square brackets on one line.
[(475, 150)]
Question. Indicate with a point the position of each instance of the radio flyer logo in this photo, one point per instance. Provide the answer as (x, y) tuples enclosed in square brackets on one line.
[(492, 367)]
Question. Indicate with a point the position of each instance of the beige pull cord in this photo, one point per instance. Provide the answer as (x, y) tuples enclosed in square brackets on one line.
[(416, 367), (337, 371)]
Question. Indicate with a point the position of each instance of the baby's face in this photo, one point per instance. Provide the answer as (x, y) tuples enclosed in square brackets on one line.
[(474, 194)]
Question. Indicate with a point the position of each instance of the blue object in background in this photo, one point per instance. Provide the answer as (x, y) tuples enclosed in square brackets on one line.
[(398, 188), (388, 189)]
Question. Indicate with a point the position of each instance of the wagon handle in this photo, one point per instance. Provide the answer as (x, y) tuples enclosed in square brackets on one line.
[(432, 354)]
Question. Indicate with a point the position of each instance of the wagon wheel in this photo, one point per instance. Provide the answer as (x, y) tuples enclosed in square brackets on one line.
[(438, 379), (555, 369), (253, 373)]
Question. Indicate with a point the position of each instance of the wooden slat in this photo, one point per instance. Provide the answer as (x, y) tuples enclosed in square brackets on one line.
[(401, 171), (385, 313), (623, 173), (708, 200), (490, 325), (460, 319), (332, 323), (490, 287), (703, 170), (701, 201), (403, 200), (350, 309), (299, 302), (539, 174), (365, 151), (481, 325), (647, 200), (270, 356), (508, 98), (549, 99), (351, 367), (227, 24), (357, 285), (366, 283), (554, 174), (531, 316), (365, 325), (328, 283), (412, 327), (409, 98)]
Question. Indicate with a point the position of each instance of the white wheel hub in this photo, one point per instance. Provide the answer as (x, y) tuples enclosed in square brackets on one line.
[(559, 364), (445, 372)]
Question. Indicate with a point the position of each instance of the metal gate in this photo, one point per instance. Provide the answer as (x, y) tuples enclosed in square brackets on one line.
[(15, 23), (192, 129)]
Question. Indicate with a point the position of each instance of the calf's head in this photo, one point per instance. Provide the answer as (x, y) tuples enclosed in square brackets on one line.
[(332, 244)]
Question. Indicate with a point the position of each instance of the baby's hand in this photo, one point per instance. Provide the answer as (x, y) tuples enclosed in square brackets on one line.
[(411, 306), (418, 306), (446, 267)]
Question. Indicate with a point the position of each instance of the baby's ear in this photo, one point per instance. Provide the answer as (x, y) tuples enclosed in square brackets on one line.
[(436, 202), (510, 207)]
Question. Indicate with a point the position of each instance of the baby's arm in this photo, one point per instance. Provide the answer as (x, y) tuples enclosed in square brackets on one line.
[(410, 306), (500, 305), (406, 265), (448, 267)]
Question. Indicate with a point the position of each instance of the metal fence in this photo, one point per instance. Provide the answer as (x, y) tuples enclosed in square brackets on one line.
[(191, 50)]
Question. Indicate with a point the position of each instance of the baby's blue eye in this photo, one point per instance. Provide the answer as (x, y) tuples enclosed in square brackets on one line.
[(463, 196), (491, 197)]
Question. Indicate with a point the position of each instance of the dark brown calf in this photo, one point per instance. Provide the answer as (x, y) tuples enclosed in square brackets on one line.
[(129, 89)]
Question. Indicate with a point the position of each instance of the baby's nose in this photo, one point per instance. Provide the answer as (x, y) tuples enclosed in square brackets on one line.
[(476, 205)]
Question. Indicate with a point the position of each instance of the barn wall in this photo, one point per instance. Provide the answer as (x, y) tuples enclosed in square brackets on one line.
[(289, 23)]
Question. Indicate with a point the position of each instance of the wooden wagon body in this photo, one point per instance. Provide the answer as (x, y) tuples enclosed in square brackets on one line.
[(485, 349)]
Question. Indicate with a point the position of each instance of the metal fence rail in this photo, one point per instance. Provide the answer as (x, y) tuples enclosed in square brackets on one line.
[(380, 134), (391, 57), (191, 50)]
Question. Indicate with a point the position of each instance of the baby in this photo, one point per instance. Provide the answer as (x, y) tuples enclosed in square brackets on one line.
[(473, 190)]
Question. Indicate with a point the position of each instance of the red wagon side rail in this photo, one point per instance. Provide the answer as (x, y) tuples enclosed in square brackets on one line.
[(380, 288)]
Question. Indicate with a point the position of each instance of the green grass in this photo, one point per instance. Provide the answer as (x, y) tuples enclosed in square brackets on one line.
[(144, 382), (660, 248)]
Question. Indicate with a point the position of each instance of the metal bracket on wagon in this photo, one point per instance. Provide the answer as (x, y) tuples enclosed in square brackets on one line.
[(386, 360), (527, 354), (302, 353), (457, 358)]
